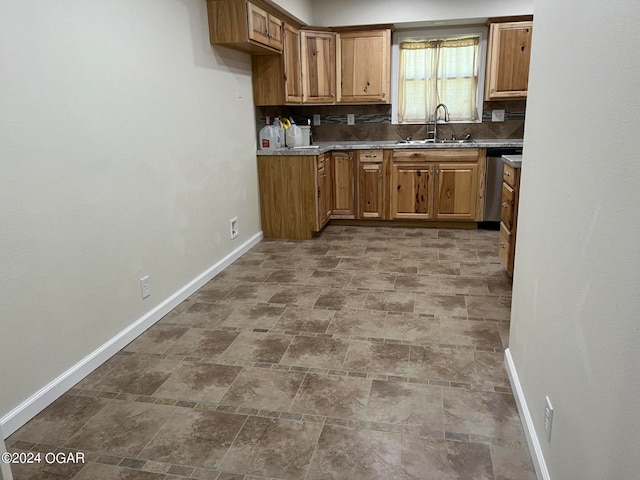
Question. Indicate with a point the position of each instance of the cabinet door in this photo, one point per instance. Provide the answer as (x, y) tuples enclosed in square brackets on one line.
[(412, 187), (508, 60), (292, 67), (318, 51), (274, 25), (364, 65), (343, 184), (324, 191), (370, 185), (258, 24), (456, 191)]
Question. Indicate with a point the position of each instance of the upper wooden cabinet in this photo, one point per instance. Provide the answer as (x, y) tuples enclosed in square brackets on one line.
[(508, 60), (364, 66), (244, 26), (277, 79), (318, 51)]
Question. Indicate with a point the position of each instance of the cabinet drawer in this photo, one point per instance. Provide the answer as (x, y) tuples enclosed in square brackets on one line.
[(370, 156), (505, 251), (506, 206), (509, 175), (436, 155)]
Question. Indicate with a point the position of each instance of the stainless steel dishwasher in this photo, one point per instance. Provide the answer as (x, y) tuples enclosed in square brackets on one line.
[(493, 181)]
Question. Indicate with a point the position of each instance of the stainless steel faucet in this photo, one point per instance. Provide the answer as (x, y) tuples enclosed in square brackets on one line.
[(435, 119)]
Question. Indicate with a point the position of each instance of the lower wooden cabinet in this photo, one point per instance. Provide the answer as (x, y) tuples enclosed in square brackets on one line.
[(343, 164), (437, 184), (299, 194), (509, 216), (371, 183), (295, 195), (323, 181)]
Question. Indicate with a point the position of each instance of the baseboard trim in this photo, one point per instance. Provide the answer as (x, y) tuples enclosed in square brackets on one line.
[(57, 387), (527, 422)]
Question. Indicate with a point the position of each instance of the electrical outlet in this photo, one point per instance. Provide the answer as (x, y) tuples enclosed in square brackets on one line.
[(145, 287), (351, 119), (548, 417), (497, 115), (233, 228), (316, 119)]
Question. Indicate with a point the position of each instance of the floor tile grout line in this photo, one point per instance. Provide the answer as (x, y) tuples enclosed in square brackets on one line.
[(233, 441)]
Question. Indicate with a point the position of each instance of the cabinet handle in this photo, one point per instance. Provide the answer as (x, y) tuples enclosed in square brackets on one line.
[(333, 95), (502, 245), (505, 205), (507, 174), (382, 94), (370, 156)]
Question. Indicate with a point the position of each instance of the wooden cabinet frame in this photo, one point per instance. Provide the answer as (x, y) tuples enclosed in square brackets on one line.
[(318, 51)]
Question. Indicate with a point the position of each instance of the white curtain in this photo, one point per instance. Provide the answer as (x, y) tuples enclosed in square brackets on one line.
[(438, 71)]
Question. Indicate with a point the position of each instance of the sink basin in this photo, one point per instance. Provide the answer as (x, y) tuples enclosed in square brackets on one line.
[(454, 141), (431, 140), (414, 142)]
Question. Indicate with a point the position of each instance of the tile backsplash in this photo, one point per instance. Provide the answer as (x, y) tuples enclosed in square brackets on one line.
[(373, 122)]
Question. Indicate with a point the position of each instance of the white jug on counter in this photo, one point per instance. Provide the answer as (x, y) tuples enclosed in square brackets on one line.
[(294, 135), (268, 137)]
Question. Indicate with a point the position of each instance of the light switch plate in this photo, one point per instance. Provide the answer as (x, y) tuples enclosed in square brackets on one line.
[(351, 119), (316, 119), (497, 115)]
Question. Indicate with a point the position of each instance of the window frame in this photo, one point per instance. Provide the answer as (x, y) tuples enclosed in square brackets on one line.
[(438, 34)]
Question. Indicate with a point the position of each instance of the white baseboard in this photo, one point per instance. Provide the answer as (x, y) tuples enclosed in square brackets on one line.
[(527, 422), (57, 387)]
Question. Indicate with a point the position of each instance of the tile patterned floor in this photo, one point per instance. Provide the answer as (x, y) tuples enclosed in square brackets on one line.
[(366, 353)]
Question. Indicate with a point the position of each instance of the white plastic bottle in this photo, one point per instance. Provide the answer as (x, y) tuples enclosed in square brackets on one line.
[(294, 135), (268, 137), (280, 131)]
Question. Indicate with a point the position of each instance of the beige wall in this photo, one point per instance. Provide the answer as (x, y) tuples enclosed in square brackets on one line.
[(362, 12), (301, 9), (576, 307), (127, 143)]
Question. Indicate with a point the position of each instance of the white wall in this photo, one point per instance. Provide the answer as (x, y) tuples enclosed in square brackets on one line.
[(125, 150), (301, 9), (362, 12), (576, 304)]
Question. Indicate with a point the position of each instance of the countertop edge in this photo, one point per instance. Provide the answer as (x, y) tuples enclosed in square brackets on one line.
[(514, 161), (324, 147)]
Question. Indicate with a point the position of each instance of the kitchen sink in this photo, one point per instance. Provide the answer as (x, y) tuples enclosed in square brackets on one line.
[(415, 142), (431, 140)]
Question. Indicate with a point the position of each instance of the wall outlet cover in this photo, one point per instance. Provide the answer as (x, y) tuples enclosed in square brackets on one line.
[(497, 115), (145, 287), (351, 119), (316, 119)]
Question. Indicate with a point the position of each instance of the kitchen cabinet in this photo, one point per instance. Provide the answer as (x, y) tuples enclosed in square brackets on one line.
[(318, 52), (244, 26), (343, 184), (371, 182), (323, 181), (294, 195), (277, 79), (437, 184), (509, 216), (508, 57), (364, 66)]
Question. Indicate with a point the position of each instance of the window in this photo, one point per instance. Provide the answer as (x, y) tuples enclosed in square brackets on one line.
[(442, 68)]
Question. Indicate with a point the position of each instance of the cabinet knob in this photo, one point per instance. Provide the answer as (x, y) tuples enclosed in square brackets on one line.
[(382, 94), (502, 245), (333, 95), (507, 174), (505, 205)]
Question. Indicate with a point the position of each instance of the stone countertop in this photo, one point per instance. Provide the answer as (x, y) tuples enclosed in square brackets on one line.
[(514, 161), (323, 147)]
